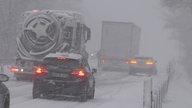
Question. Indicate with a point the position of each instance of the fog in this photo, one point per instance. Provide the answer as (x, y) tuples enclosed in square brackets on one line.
[(113, 88), (149, 15)]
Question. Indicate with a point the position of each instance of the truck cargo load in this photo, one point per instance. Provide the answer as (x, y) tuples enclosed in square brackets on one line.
[(49, 31), (120, 41)]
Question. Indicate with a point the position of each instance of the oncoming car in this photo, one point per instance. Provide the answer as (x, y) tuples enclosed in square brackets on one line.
[(64, 75), (4, 92), (142, 65)]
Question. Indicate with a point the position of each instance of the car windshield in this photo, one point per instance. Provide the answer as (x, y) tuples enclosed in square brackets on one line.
[(143, 58)]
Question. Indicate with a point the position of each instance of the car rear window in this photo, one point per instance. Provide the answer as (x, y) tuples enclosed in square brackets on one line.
[(61, 62), (142, 58)]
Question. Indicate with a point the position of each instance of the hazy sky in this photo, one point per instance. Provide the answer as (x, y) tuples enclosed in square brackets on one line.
[(148, 14)]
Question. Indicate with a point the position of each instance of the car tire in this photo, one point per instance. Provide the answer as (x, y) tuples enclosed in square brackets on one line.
[(36, 95), (131, 71), (92, 93), (7, 102), (18, 78), (36, 92), (153, 72), (83, 97)]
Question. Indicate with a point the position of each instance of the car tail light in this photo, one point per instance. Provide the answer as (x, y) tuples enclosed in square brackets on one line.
[(35, 11), (102, 60), (40, 70), (61, 58), (126, 62), (79, 73), (14, 69), (133, 62), (149, 63)]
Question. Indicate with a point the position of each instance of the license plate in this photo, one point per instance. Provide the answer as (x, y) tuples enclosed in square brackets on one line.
[(61, 75)]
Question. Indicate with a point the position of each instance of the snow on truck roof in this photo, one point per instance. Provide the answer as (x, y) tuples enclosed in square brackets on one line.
[(66, 55), (63, 13)]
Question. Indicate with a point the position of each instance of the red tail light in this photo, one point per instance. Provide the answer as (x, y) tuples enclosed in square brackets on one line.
[(126, 62), (80, 73), (40, 70), (61, 58), (102, 60), (14, 69), (149, 63), (133, 62)]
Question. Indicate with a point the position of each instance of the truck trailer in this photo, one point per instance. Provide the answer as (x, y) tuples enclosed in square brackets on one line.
[(48, 31), (120, 41)]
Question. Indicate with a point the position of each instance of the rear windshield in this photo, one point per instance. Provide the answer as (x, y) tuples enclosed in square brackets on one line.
[(72, 63), (143, 58)]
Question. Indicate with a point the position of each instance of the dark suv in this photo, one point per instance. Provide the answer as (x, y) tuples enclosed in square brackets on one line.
[(66, 75), (4, 92)]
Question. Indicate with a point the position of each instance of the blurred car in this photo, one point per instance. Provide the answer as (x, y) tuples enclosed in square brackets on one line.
[(4, 92), (24, 72), (142, 65), (66, 75)]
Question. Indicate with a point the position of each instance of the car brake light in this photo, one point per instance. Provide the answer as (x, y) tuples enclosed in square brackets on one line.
[(80, 73), (35, 11), (133, 62), (149, 63), (61, 58), (40, 70), (102, 60), (126, 62), (14, 69)]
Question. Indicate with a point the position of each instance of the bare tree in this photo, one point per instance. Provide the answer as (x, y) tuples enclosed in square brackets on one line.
[(179, 19)]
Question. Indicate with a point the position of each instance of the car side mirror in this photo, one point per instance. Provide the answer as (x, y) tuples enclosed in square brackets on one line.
[(94, 70), (3, 78)]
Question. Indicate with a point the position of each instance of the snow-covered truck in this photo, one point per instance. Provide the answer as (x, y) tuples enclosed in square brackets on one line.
[(120, 41), (48, 31)]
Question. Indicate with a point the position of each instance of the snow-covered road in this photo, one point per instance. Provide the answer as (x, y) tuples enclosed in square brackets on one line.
[(113, 90)]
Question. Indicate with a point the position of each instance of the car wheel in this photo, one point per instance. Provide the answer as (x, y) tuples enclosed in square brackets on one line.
[(92, 94), (131, 71), (36, 92), (46, 95), (153, 72), (7, 102), (18, 78), (83, 97)]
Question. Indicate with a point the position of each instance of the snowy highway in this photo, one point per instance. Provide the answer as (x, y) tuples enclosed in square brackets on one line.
[(113, 90)]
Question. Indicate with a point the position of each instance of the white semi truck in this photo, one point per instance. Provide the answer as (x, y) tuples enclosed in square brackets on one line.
[(48, 31), (120, 41)]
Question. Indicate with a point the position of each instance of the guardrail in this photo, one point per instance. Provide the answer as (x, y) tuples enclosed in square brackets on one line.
[(155, 89)]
